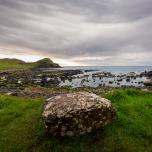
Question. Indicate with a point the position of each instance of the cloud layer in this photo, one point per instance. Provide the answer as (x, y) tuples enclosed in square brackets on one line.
[(76, 32)]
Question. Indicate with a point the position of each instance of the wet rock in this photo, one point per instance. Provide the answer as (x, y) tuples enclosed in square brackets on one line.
[(75, 114), (100, 85), (70, 79), (146, 74), (90, 70), (127, 79), (149, 74), (102, 74), (140, 82), (82, 81), (119, 80), (110, 82), (68, 73), (148, 83)]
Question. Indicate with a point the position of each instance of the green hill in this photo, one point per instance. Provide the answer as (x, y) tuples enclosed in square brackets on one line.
[(8, 64), (46, 63)]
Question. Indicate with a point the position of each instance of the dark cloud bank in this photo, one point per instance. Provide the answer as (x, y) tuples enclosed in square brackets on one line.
[(85, 32)]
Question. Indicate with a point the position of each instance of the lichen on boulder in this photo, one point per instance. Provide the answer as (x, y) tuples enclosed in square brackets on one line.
[(75, 114)]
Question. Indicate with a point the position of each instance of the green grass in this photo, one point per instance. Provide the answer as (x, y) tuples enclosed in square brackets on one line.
[(18, 121), (8, 64), (21, 127)]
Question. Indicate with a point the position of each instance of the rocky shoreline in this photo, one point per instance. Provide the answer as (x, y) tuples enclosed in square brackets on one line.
[(30, 77), (17, 82)]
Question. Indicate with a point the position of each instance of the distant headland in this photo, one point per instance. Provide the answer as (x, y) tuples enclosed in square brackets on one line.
[(7, 64)]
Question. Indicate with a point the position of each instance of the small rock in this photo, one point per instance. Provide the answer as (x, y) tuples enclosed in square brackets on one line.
[(148, 83), (9, 93)]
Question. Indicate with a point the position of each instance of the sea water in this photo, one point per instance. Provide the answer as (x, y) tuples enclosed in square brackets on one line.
[(119, 72)]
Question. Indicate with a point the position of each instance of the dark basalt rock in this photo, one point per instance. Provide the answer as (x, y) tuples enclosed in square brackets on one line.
[(103, 74), (146, 74), (110, 82), (90, 70), (119, 80), (149, 74), (148, 83), (75, 114), (128, 80)]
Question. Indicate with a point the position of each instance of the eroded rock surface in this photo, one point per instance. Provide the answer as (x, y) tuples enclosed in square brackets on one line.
[(76, 114)]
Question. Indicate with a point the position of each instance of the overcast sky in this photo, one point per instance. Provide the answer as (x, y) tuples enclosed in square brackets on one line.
[(77, 32)]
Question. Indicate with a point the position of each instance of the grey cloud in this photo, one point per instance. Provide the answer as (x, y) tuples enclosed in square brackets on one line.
[(67, 29)]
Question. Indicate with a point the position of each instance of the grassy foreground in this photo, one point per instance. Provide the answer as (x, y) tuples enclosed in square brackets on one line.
[(21, 127)]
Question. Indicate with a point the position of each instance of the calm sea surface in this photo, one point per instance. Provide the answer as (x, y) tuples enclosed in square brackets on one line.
[(95, 76), (113, 69)]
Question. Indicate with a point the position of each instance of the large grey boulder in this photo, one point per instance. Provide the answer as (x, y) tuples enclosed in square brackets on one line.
[(76, 114)]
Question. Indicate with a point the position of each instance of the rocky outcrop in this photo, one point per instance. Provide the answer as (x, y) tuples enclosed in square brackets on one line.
[(76, 114), (146, 74), (148, 83)]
